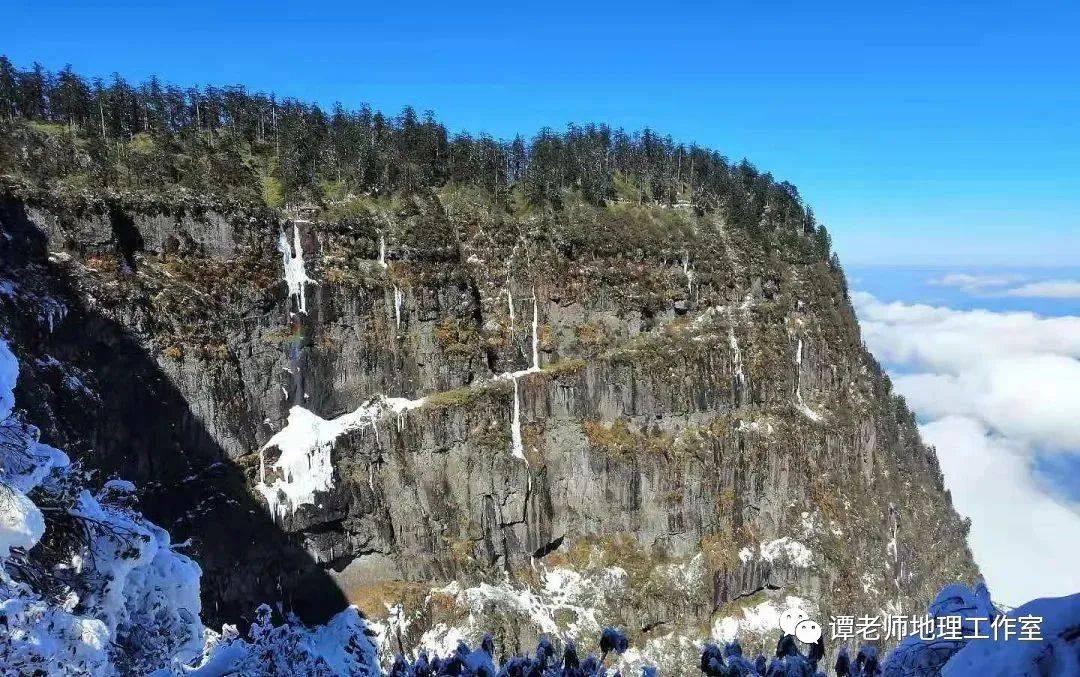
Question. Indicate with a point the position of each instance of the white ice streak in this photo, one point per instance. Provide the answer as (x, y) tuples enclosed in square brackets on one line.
[(736, 354), (799, 403), (689, 273), (517, 448), (295, 274), (510, 306), (399, 300)]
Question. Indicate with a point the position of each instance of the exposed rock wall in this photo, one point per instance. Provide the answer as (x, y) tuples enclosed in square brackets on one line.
[(697, 396)]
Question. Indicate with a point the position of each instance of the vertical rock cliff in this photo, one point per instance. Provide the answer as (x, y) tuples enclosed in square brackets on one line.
[(457, 417)]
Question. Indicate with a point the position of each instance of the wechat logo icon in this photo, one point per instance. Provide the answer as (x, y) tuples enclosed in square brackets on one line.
[(797, 622)]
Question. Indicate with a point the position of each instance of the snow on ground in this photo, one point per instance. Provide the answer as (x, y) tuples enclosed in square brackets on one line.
[(1058, 653), (566, 604), (762, 619)]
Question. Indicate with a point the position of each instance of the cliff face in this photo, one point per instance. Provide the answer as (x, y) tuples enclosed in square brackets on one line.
[(541, 423)]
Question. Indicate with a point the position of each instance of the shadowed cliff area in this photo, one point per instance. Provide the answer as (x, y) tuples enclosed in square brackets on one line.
[(131, 422)]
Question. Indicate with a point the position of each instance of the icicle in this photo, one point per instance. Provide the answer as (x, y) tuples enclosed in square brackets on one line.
[(295, 274), (382, 250), (535, 338), (262, 466), (399, 299), (510, 304), (688, 272), (516, 446), (800, 404), (736, 354)]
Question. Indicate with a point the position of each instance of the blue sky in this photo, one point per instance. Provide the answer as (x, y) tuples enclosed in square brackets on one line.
[(922, 133)]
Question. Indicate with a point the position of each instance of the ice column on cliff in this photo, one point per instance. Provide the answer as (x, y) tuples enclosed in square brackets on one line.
[(399, 300), (516, 446), (688, 272), (295, 274), (806, 411), (736, 354), (535, 338), (510, 305)]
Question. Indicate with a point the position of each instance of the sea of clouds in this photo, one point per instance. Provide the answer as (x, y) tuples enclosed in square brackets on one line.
[(998, 394)]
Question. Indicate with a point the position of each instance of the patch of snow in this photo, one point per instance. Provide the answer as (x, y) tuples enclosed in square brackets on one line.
[(566, 604), (796, 553), (21, 523), (441, 640), (758, 427), (745, 555), (687, 577), (759, 619)]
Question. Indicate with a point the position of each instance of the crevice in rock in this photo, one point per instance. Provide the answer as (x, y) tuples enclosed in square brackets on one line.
[(548, 548)]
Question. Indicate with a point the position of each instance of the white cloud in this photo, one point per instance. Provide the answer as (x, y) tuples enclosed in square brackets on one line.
[(998, 388), (1033, 398), (1050, 289), (952, 341), (973, 283), (1026, 542)]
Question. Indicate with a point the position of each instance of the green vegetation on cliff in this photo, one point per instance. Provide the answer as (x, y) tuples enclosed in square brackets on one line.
[(60, 131)]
